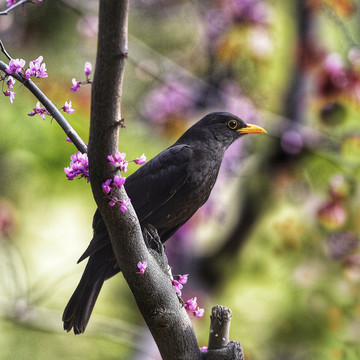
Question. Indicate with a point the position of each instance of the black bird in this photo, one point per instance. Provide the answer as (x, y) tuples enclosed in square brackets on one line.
[(165, 192)]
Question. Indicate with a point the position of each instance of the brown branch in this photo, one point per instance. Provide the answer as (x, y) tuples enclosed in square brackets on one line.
[(157, 301), (219, 345), (219, 327)]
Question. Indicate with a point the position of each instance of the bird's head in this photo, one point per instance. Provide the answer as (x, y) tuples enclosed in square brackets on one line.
[(222, 126)]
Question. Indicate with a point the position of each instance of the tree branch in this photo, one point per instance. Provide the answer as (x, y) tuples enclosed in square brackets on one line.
[(219, 345), (12, 7), (156, 299), (51, 108)]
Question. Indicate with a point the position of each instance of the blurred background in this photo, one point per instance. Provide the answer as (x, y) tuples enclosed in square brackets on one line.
[(277, 242)]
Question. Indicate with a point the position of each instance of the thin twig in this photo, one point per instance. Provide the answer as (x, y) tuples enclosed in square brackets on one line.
[(51, 108), (12, 7), (2, 47)]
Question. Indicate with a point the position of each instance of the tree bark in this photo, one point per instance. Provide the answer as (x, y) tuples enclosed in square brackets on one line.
[(157, 301)]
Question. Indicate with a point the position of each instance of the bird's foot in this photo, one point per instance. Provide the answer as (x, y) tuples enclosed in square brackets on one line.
[(155, 246)]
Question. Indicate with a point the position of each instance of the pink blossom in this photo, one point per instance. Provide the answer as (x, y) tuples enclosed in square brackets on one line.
[(40, 110), (112, 202), (10, 2), (37, 69), (88, 68), (27, 74), (124, 166), (124, 204), (10, 94), (118, 160), (106, 186), (183, 279), (191, 304), (16, 66), (68, 107), (76, 85), (79, 166), (119, 181), (199, 313), (142, 266), (141, 160), (10, 82), (177, 287)]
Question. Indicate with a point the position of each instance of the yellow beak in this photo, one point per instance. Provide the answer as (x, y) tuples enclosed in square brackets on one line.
[(252, 129)]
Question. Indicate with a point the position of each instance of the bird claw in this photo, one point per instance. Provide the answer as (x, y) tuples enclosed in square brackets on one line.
[(152, 238), (155, 246)]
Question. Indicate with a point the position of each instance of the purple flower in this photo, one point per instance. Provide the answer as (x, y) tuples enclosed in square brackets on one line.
[(124, 204), (119, 181), (40, 110), (112, 202), (10, 94), (177, 286), (142, 266), (88, 68), (10, 3), (37, 69), (106, 186), (10, 82), (79, 167), (141, 160), (191, 304), (118, 160), (183, 279), (199, 313), (16, 66), (76, 85), (68, 107)]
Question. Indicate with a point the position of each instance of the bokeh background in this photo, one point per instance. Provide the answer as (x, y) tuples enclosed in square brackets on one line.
[(278, 240)]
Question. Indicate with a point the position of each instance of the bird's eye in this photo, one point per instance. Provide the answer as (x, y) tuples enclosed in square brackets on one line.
[(232, 124)]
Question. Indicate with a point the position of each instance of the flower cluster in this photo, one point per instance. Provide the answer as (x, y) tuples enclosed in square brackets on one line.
[(41, 110), (38, 69), (17, 66), (178, 284), (190, 305), (79, 167), (68, 107), (110, 186), (77, 84)]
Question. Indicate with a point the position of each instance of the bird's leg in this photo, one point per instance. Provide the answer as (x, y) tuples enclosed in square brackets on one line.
[(155, 246)]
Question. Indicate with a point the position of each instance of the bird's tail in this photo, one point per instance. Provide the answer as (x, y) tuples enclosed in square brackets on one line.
[(81, 304)]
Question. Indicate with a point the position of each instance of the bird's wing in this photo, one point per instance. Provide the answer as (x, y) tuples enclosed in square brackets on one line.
[(158, 180), (149, 187)]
